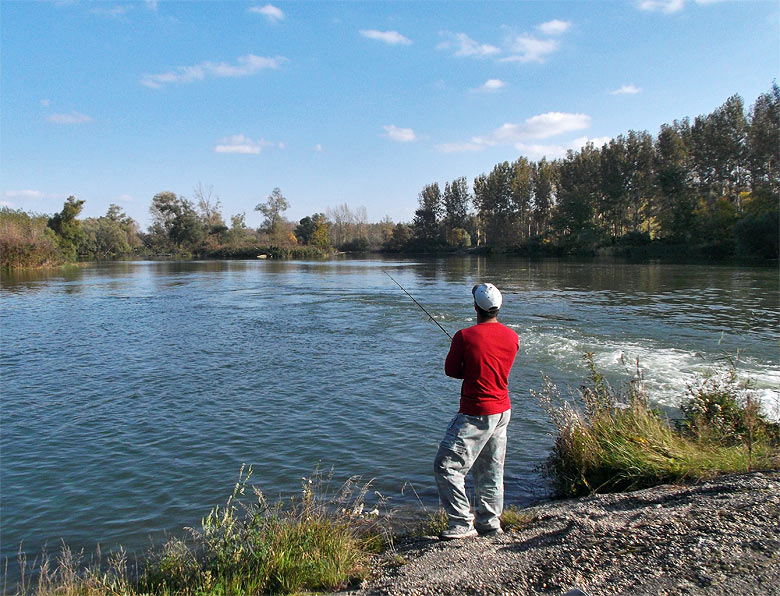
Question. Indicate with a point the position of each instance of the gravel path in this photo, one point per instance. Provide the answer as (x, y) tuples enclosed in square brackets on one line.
[(716, 537)]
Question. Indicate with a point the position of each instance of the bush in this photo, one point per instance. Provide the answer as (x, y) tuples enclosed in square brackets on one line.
[(620, 443), (356, 245), (318, 541), (721, 410), (759, 235), (26, 241)]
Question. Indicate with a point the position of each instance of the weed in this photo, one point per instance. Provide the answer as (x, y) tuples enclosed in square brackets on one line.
[(513, 519), (620, 443), (315, 541)]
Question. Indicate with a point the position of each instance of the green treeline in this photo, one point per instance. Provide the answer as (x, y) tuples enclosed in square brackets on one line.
[(709, 188)]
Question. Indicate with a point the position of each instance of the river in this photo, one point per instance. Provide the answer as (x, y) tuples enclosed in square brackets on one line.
[(132, 392)]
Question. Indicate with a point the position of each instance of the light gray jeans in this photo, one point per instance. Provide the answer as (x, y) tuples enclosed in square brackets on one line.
[(476, 443)]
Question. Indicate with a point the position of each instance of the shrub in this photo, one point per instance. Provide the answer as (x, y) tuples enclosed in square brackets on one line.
[(620, 443), (317, 541), (721, 410), (26, 241)]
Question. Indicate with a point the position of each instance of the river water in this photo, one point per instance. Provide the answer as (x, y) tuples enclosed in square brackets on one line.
[(132, 392)]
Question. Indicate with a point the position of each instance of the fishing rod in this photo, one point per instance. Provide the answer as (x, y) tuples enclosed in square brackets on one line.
[(430, 316)]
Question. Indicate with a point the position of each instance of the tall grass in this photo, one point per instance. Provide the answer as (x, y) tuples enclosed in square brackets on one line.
[(315, 541), (611, 440)]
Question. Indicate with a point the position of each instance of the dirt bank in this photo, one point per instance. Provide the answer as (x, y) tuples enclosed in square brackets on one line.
[(715, 537)]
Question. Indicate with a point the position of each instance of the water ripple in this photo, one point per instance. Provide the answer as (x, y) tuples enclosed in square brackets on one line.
[(133, 392)]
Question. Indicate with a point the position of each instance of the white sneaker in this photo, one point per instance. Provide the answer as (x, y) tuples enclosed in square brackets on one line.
[(458, 533)]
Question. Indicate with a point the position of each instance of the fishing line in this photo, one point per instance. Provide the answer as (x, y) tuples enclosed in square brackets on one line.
[(430, 316), (511, 392)]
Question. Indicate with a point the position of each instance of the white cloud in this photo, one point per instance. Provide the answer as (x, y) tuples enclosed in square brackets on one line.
[(125, 198), (554, 27), (318, 148), (245, 66), (527, 48), (389, 37), (626, 90), (73, 118), (241, 144), (113, 12), (665, 6), (45, 103), (269, 11), (491, 86), (23, 194), (151, 5), (402, 135), (6, 204), (541, 126), (465, 46)]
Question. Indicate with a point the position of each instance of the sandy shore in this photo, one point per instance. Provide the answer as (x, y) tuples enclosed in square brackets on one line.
[(716, 537)]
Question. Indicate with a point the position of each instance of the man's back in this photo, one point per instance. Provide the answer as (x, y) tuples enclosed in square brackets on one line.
[(482, 355)]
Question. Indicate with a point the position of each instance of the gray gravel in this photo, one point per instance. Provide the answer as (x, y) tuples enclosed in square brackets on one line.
[(715, 537)]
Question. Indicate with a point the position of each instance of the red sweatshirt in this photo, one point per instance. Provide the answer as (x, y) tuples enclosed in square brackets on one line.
[(482, 356)]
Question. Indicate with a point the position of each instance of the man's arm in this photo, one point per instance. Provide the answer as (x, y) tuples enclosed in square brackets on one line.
[(453, 364)]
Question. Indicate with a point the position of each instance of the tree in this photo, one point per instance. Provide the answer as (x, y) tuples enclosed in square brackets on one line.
[(757, 234), (521, 187), (763, 136), (210, 207), (401, 237), (175, 222), (673, 206), (458, 237), (495, 206), (456, 200), (238, 235), (113, 235), (341, 220), (312, 230), (543, 189), (68, 228), (320, 235), (719, 152), (579, 186), (427, 216), (273, 208)]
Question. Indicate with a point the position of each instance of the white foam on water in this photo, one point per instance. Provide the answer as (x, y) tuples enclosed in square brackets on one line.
[(667, 371)]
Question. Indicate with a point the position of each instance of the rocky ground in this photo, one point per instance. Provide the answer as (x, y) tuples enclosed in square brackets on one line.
[(717, 537)]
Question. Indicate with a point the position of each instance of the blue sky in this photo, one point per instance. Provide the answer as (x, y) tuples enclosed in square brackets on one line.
[(345, 102)]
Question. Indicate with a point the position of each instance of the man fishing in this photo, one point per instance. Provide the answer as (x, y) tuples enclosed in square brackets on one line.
[(481, 355)]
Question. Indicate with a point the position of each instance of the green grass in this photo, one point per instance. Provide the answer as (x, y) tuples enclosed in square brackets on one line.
[(312, 542), (613, 441)]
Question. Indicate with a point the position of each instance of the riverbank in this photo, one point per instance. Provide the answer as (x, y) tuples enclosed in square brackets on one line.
[(717, 537)]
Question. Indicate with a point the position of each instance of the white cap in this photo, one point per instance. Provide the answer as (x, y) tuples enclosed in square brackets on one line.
[(487, 297)]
